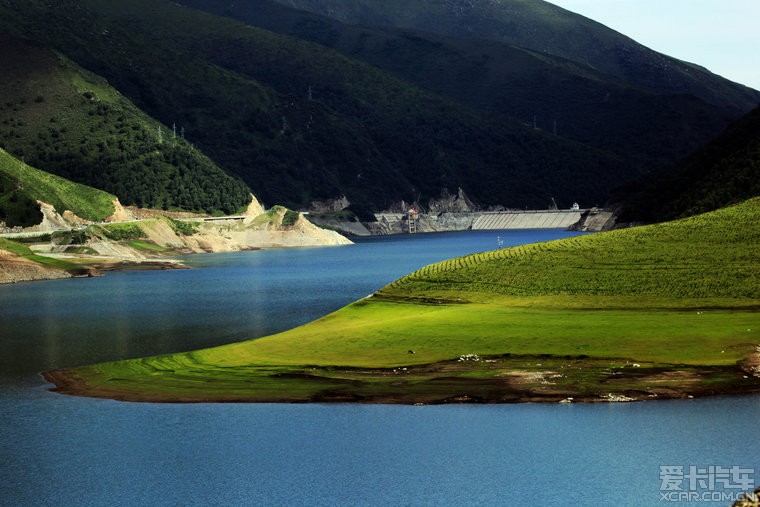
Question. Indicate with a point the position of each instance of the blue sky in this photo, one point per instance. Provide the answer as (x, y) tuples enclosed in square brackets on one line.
[(721, 35)]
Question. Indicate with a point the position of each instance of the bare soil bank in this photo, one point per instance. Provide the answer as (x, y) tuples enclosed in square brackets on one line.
[(160, 240)]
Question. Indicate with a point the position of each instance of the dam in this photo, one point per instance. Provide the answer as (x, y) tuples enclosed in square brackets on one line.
[(401, 223), (534, 219), (593, 219)]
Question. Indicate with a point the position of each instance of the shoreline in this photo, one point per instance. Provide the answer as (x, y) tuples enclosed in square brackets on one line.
[(440, 386), (158, 245), (93, 269)]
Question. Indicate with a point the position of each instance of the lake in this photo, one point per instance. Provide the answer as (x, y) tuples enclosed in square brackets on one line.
[(59, 450)]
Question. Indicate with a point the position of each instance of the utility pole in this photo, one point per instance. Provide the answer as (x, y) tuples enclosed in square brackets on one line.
[(160, 135), (21, 174)]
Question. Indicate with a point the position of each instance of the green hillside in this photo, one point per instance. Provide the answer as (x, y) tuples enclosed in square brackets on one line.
[(545, 28), (61, 118), (647, 127), (725, 171), (670, 310), (243, 96), (712, 255), (21, 186)]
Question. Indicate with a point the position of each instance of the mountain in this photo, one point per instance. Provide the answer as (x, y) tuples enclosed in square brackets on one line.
[(725, 171), (56, 116), (21, 186), (648, 126), (548, 29), (298, 121), (303, 108)]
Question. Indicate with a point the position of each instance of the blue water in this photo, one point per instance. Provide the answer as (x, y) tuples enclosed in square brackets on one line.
[(58, 450)]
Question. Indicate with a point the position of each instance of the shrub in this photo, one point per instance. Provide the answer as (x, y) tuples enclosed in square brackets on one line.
[(78, 237), (123, 232), (290, 217), (186, 228)]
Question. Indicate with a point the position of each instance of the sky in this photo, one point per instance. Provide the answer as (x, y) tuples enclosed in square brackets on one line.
[(721, 35)]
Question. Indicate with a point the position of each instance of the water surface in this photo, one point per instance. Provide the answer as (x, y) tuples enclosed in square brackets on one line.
[(58, 450)]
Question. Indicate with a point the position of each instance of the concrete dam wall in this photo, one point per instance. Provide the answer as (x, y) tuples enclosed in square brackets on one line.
[(398, 223), (547, 219)]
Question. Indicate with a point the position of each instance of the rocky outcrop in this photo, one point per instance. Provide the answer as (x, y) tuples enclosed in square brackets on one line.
[(263, 231), (254, 208), (459, 203), (51, 220), (445, 203), (400, 207), (329, 205), (301, 233)]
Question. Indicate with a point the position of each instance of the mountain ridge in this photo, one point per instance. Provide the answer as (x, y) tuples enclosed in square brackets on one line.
[(560, 96), (544, 27), (364, 133), (298, 121)]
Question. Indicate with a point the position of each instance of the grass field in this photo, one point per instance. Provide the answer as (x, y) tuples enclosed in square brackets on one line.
[(668, 310)]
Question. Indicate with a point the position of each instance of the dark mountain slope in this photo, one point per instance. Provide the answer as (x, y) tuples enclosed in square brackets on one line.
[(646, 128), (242, 125), (724, 172), (243, 95), (549, 29), (62, 118)]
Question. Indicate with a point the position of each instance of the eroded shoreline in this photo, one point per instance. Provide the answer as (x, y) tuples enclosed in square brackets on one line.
[(583, 381)]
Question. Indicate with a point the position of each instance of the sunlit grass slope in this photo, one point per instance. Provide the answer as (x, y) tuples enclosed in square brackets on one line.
[(679, 300), (706, 256), (22, 185)]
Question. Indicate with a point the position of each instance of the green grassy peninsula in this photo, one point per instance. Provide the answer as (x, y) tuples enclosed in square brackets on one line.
[(662, 311)]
